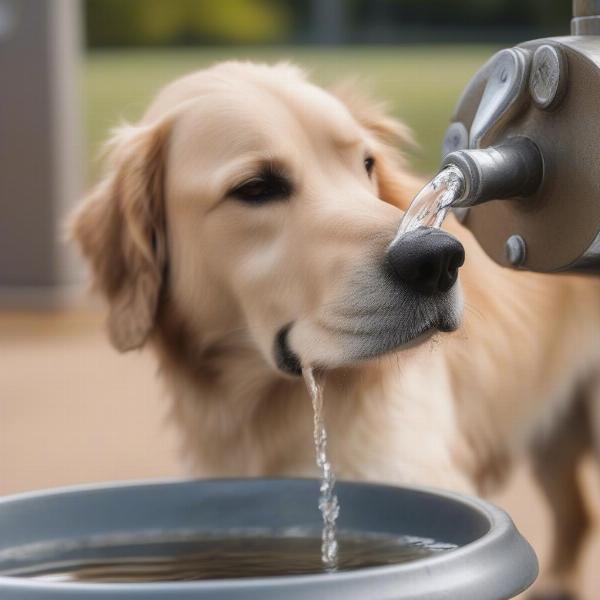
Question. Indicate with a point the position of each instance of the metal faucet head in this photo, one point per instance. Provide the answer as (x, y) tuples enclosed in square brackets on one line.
[(513, 169), (586, 17), (537, 100)]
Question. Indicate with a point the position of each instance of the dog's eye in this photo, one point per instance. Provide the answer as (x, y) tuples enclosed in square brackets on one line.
[(369, 164), (263, 189)]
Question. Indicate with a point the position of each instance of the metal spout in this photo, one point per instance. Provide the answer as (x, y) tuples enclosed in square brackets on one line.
[(586, 17), (513, 169)]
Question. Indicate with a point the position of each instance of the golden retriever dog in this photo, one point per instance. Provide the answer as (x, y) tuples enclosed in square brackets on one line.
[(243, 229)]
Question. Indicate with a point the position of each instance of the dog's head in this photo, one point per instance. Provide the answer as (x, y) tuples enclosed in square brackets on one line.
[(255, 204)]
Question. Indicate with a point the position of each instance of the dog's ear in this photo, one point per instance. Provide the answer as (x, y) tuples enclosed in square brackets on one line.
[(397, 185), (121, 231)]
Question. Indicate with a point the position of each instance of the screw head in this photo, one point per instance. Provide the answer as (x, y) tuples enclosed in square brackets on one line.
[(515, 250), (548, 78)]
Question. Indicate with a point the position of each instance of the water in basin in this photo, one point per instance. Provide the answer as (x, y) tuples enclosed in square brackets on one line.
[(217, 556)]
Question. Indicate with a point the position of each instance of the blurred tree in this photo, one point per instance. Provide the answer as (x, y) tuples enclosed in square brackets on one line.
[(112, 22), (465, 20), (327, 17), (147, 22), (161, 22)]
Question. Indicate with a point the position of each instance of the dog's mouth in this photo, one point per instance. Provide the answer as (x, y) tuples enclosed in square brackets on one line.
[(285, 358), (359, 344)]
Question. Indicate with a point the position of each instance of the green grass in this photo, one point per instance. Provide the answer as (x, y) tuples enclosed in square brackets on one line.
[(421, 84)]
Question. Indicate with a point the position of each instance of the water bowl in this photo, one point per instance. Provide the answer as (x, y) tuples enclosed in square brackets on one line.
[(490, 561)]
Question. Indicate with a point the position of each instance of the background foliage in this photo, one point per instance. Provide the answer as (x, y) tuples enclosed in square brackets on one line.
[(420, 84), (184, 22)]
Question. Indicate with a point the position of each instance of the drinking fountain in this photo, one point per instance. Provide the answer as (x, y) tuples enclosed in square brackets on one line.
[(526, 136)]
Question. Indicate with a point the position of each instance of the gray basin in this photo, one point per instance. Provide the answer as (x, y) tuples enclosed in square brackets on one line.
[(492, 562)]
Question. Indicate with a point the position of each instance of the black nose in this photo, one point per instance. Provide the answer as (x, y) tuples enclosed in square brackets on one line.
[(426, 259)]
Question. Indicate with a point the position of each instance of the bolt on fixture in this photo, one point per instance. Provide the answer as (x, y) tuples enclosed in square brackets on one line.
[(548, 79), (516, 250)]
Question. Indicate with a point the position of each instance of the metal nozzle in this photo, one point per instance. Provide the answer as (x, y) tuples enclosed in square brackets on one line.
[(512, 169), (586, 17)]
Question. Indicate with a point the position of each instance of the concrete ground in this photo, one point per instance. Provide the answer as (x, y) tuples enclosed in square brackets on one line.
[(72, 410)]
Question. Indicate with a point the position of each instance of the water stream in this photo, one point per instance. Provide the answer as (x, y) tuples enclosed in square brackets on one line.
[(431, 205), (328, 502)]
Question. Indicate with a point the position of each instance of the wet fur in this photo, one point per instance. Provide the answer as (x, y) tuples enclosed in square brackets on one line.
[(457, 411)]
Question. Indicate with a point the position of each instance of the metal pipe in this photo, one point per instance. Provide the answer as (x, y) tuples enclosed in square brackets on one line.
[(513, 169), (586, 17)]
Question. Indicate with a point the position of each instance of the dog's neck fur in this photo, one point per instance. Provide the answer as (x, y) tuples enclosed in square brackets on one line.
[(424, 419), (241, 418)]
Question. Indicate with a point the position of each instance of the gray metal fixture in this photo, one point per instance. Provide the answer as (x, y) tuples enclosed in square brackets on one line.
[(526, 131)]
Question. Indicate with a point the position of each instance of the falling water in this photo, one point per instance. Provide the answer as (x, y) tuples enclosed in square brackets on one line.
[(431, 204), (328, 502)]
